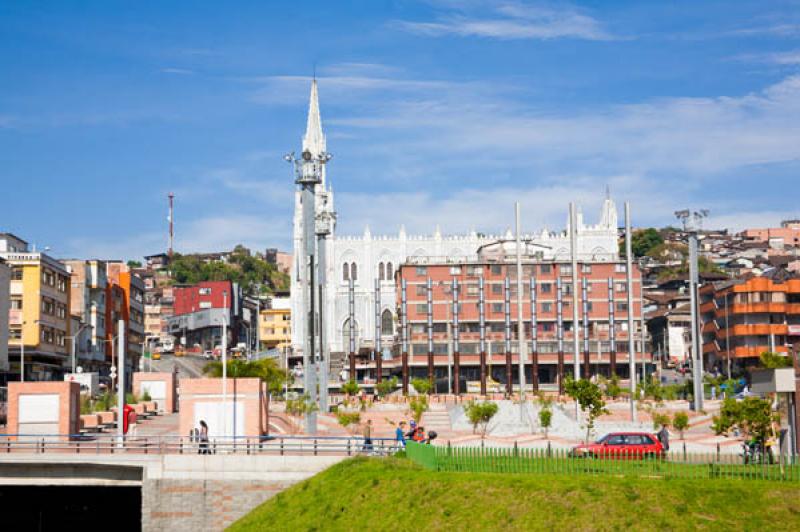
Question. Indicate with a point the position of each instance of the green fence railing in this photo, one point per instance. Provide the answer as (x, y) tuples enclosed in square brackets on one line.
[(561, 462)]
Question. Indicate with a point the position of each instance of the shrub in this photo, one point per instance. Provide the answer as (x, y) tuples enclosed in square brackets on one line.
[(480, 414), (753, 416), (350, 388), (386, 386), (680, 422), (131, 398), (146, 396), (86, 404), (422, 386), (613, 389), (348, 419)]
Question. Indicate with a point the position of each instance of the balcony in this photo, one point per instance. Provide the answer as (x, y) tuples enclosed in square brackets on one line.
[(759, 329), (755, 351), (758, 308)]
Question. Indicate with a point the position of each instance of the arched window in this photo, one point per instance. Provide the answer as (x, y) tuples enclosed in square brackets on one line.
[(345, 272), (346, 336), (389, 272), (354, 271), (387, 323), (380, 272)]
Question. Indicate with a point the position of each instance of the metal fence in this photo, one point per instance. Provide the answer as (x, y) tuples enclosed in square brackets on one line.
[(277, 445), (561, 462)]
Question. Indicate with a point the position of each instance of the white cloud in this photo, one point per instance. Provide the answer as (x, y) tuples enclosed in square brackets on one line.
[(180, 71), (511, 20)]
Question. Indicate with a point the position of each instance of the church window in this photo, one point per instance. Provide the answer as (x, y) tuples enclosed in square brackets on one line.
[(389, 272), (387, 324), (381, 273), (354, 271), (345, 272)]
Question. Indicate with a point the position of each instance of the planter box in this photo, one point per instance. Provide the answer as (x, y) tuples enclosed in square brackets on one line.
[(107, 418), (138, 408), (773, 380), (90, 421)]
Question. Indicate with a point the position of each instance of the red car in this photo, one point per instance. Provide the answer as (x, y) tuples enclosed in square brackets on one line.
[(622, 445)]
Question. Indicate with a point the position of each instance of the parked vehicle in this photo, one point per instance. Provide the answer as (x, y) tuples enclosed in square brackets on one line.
[(208, 354), (622, 445)]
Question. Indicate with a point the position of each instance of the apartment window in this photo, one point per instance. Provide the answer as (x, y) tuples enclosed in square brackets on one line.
[(60, 339), (14, 334), (48, 306), (620, 268), (622, 306), (47, 335), (421, 270), (62, 283), (497, 288), (61, 311), (546, 268), (497, 269), (547, 307), (455, 270), (497, 307), (586, 268), (474, 271), (546, 288), (589, 306), (421, 290), (16, 273), (567, 288), (48, 277), (472, 290), (565, 269), (547, 326), (621, 287), (417, 328), (204, 291), (16, 303), (422, 308)]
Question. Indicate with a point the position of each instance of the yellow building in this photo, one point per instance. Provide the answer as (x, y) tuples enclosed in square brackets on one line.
[(275, 324), (39, 317)]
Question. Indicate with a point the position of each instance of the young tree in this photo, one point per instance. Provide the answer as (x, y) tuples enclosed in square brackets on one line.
[(418, 406), (661, 419), (545, 419), (770, 360), (588, 396), (350, 389), (680, 422), (300, 408), (386, 386), (422, 386), (480, 414), (753, 416)]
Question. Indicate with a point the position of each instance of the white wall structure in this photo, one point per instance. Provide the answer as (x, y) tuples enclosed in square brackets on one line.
[(369, 257)]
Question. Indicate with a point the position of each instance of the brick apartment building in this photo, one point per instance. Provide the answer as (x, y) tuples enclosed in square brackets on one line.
[(463, 315), (742, 318)]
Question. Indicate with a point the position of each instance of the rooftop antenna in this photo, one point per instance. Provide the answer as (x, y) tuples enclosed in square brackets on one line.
[(171, 228)]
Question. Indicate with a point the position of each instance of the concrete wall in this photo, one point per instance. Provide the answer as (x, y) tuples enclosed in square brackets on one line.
[(43, 407), (168, 404), (5, 284), (247, 394)]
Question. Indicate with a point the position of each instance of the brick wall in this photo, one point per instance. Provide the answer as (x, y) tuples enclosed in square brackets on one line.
[(199, 505)]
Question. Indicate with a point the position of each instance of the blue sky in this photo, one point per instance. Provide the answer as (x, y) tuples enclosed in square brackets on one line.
[(436, 112)]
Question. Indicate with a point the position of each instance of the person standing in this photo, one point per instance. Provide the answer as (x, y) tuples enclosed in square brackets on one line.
[(204, 438), (663, 437), (368, 437), (400, 435)]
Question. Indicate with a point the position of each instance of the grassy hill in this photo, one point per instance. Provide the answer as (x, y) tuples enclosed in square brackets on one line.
[(394, 494)]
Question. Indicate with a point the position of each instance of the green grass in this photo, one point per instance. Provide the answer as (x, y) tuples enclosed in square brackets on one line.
[(395, 494)]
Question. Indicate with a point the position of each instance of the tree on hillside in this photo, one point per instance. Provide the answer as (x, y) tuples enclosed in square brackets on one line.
[(254, 274), (643, 240), (134, 264), (590, 399)]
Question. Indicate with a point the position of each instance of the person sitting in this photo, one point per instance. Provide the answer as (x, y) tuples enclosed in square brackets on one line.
[(419, 436)]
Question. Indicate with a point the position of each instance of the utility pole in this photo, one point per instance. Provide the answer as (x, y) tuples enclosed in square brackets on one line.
[(692, 222), (121, 382), (520, 323), (224, 355), (573, 251), (631, 337)]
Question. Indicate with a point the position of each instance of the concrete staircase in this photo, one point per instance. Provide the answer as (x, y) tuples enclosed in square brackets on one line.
[(437, 418)]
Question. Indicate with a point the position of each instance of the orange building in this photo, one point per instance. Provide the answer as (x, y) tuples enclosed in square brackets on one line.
[(125, 301), (742, 318)]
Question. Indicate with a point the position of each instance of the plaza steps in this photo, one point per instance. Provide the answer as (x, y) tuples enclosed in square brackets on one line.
[(436, 419)]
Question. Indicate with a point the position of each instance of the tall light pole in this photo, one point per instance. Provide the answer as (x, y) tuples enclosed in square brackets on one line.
[(224, 362), (74, 339), (692, 222), (629, 282), (573, 252), (520, 324), (121, 382), (308, 175)]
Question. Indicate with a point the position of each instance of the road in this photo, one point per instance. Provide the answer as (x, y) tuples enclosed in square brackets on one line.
[(188, 366)]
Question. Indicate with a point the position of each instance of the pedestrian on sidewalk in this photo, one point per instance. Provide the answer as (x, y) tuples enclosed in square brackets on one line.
[(204, 438), (368, 437)]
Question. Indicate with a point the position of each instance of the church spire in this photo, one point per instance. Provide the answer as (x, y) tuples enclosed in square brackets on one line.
[(314, 139)]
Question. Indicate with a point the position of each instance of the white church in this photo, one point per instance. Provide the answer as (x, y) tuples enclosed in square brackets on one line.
[(368, 258)]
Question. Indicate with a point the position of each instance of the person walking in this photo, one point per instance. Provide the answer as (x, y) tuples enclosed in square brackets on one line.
[(663, 437), (368, 437), (204, 438), (400, 435)]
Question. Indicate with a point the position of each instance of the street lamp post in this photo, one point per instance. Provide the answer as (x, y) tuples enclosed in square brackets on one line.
[(224, 362), (74, 340)]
